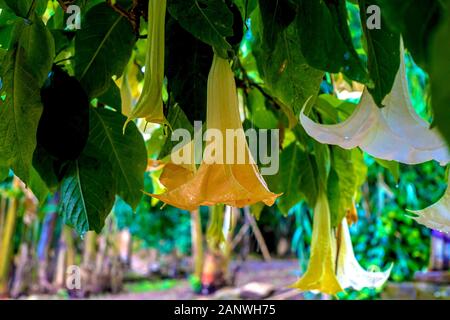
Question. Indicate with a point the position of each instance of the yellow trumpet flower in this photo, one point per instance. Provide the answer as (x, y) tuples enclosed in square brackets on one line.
[(349, 272), (150, 104), (320, 274), (218, 180)]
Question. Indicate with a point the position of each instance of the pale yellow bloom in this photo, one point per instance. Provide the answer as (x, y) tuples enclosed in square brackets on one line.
[(150, 104), (320, 274), (233, 184)]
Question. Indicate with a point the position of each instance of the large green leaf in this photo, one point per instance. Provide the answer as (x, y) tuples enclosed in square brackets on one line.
[(23, 72), (7, 22), (325, 38), (24, 8), (177, 119), (286, 75), (287, 181), (383, 51), (125, 152), (440, 71), (187, 73), (87, 194), (209, 20), (417, 21), (102, 48)]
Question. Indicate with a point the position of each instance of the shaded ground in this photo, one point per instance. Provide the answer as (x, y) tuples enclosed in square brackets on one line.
[(279, 273)]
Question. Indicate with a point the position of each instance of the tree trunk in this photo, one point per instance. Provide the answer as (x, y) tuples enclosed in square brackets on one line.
[(45, 240), (6, 245)]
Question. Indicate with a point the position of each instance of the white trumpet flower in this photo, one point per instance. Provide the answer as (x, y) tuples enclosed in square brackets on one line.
[(436, 216), (394, 132), (349, 272)]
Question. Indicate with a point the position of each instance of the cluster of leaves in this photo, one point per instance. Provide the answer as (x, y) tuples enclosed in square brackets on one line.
[(281, 51)]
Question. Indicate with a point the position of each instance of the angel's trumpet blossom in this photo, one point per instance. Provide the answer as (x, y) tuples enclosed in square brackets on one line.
[(394, 132), (349, 272), (218, 180), (320, 274), (436, 216), (150, 104)]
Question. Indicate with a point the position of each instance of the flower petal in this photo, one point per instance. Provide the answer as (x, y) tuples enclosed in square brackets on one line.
[(320, 274), (394, 132), (436, 216), (349, 272)]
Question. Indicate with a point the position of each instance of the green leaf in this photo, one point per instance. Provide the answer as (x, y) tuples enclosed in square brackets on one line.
[(87, 194), (125, 152), (211, 21), (325, 38), (4, 173), (8, 21), (341, 184), (276, 17), (259, 114), (439, 74), (288, 179), (38, 186), (22, 73), (392, 166), (177, 119), (383, 51), (102, 48), (111, 97), (286, 75), (187, 73), (24, 9), (404, 15)]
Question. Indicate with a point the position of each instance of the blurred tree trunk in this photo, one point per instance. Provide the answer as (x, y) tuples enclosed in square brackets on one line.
[(6, 244), (45, 240), (23, 272)]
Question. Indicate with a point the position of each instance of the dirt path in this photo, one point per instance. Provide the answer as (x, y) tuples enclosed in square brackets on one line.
[(279, 273)]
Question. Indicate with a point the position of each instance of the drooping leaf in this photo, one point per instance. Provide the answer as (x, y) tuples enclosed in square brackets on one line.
[(325, 38), (383, 54), (286, 75), (23, 71), (439, 72), (211, 21), (289, 177), (177, 119), (24, 8), (125, 152), (87, 194), (392, 166), (102, 48), (187, 73), (7, 22), (403, 15)]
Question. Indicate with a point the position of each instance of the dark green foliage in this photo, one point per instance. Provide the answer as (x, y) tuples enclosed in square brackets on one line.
[(63, 129)]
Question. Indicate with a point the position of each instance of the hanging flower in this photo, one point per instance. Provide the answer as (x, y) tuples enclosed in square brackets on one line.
[(332, 265), (219, 180), (320, 274), (349, 272), (436, 216), (394, 132), (150, 104)]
